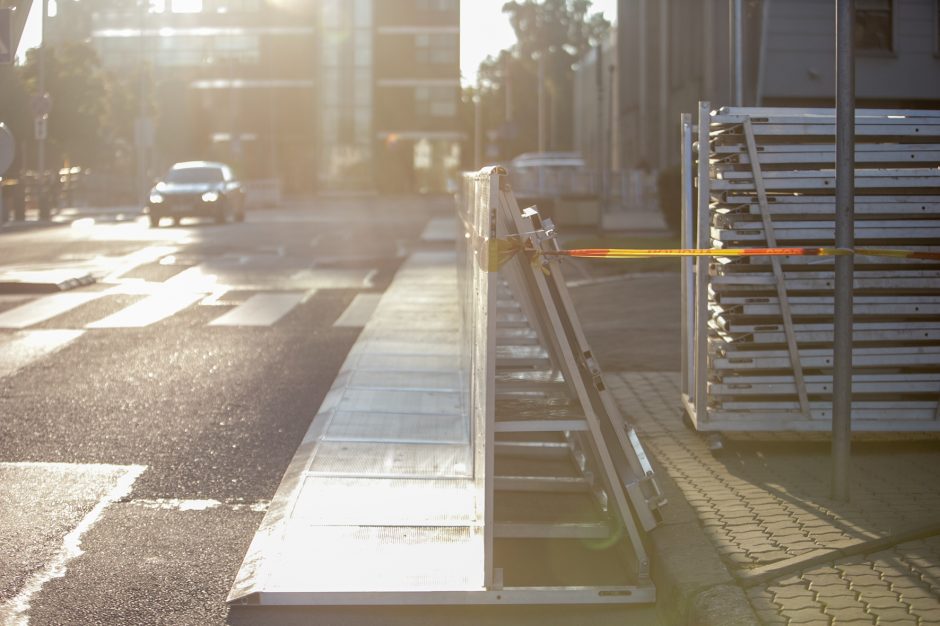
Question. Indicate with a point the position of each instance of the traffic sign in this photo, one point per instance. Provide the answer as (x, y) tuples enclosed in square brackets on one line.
[(6, 36)]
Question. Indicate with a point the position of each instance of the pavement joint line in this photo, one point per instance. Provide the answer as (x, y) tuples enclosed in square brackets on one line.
[(767, 573)]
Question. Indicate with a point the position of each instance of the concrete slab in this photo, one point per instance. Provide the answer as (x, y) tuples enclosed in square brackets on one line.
[(14, 280)]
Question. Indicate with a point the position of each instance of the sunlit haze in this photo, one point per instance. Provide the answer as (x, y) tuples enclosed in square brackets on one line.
[(485, 30)]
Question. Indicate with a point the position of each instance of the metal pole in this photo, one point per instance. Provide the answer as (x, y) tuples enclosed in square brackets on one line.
[(599, 75), (643, 154), (41, 138), (507, 84), (477, 133), (737, 52), (541, 101), (140, 130), (844, 238)]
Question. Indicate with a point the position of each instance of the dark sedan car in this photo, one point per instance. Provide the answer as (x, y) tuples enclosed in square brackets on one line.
[(197, 189)]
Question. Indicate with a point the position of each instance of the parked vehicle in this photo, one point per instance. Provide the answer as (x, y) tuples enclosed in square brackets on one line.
[(552, 174), (197, 189)]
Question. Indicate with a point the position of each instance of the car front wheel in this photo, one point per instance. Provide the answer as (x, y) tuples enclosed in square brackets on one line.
[(154, 220)]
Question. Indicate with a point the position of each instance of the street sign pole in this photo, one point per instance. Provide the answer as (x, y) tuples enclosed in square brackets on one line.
[(844, 238)]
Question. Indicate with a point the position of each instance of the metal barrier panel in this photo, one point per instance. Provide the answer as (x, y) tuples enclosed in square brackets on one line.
[(475, 286)]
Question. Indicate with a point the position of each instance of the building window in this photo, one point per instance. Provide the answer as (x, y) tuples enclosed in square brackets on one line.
[(435, 101), (444, 6), (874, 25), (437, 49)]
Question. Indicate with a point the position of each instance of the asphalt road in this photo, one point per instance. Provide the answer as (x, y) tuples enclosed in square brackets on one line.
[(139, 445)]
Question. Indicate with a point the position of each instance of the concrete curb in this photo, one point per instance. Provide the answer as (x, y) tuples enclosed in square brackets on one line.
[(693, 586)]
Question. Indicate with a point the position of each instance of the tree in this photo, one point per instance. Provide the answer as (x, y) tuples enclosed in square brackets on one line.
[(79, 123), (559, 32)]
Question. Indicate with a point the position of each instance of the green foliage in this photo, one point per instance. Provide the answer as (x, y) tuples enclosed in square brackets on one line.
[(558, 31), (92, 114)]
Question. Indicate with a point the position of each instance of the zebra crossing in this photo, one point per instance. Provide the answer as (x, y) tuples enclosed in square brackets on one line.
[(35, 326), (257, 310)]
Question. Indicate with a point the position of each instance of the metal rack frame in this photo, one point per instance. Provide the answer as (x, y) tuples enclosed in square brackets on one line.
[(756, 340)]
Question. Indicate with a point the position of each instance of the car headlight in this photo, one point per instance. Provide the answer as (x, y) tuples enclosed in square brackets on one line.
[(156, 198), (210, 196)]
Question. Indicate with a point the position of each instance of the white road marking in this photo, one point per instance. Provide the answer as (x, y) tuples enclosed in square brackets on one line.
[(15, 612), (126, 263), (332, 278), (263, 309), (174, 504), (20, 349), (45, 308), (359, 311), (150, 310)]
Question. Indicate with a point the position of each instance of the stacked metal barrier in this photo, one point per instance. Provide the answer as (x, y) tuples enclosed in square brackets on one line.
[(757, 332)]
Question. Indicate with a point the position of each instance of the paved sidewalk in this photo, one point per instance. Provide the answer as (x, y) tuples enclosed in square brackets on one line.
[(798, 556)]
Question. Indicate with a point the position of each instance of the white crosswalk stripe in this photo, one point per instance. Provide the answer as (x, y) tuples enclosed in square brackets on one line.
[(263, 309), (150, 310), (359, 311), (45, 308), (22, 348)]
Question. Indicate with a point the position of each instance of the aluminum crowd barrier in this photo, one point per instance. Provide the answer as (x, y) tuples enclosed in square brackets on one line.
[(562, 463), (467, 453), (757, 332)]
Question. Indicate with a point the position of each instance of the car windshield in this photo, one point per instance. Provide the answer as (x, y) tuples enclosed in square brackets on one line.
[(195, 175)]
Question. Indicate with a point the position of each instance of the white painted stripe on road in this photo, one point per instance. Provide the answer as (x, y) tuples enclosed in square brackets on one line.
[(263, 309), (128, 262), (174, 504), (15, 612), (45, 308), (20, 349), (359, 311), (149, 311)]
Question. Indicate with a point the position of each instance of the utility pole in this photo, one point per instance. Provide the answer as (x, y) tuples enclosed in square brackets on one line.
[(845, 239)]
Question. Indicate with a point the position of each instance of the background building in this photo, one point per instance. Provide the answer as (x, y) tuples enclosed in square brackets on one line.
[(390, 86), (670, 54), (332, 95)]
